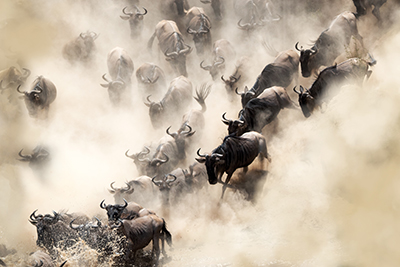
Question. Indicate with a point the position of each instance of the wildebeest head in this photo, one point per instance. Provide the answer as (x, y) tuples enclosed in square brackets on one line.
[(44, 225), (181, 135), (33, 98), (246, 96), (214, 164), (234, 126), (135, 20), (306, 101), (88, 39), (216, 68), (113, 211), (156, 110), (230, 83), (199, 27), (36, 160), (165, 183), (307, 59), (177, 59), (142, 163), (123, 190), (115, 89)]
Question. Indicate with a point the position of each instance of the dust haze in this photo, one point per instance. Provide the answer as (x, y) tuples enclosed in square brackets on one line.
[(332, 194)]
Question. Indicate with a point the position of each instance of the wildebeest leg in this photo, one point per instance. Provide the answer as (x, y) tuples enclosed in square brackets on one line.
[(262, 148), (228, 178), (156, 248)]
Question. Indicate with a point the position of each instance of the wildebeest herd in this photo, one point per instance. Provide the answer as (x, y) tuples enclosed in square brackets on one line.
[(161, 123)]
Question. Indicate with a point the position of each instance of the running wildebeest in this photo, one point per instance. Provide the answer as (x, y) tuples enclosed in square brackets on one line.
[(351, 70), (81, 49), (235, 152), (199, 26), (135, 19)]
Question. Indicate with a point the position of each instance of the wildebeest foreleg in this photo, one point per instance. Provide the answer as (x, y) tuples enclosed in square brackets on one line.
[(262, 146), (228, 178)]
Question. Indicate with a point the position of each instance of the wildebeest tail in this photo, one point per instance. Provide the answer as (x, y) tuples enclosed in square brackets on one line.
[(201, 96), (167, 234)]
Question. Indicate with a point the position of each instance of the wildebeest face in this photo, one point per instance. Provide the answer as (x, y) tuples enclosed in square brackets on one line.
[(306, 101), (155, 112), (114, 212), (214, 165), (306, 60)]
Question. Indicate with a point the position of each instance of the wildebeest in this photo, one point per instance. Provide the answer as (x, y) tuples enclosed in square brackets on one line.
[(363, 5), (172, 186), (253, 13), (281, 72), (199, 26), (12, 77), (81, 49), (53, 231), (127, 211), (141, 161), (37, 159), (43, 92), (239, 76), (141, 231), (175, 102), (351, 70), (217, 6), (235, 152), (330, 44), (120, 66), (139, 190), (172, 45), (260, 111), (174, 9), (151, 79), (223, 54), (135, 19), (171, 150)]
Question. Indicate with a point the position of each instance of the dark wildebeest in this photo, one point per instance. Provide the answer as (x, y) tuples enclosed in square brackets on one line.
[(37, 159), (363, 5), (281, 72), (217, 7), (151, 79), (235, 152), (43, 92), (53, 231), (140, 190), (12, 77), (81, 49), (174, 103), (351, 70), (127, 211), (141, 231), (199, 26), (260, 111), (135, 19), (330, 44), (171, 150), (239, 76), (172, 45), (223, 54), (120, 66)]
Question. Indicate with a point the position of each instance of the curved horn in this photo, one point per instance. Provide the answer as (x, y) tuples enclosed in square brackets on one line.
[(128, 190), (142, 14), (190, 129), (190, 31), (217, 63), (126, 203), (170, 54), (243, 26), (19, 90), (187, 50), (236, 91), (225, 120), (40, 264), (157, 183), (133, 156), (200, 155), (27, 72), (104, 78), (33, 217), (124, 11), (297, 92), (173, 135), (72, 227), (112, 191), (173, 178), (208, 67), (149, 102), (28, 157), (98, 222), (62, 265), (297, 47), (222, 78), (102, 205), (234, 79)]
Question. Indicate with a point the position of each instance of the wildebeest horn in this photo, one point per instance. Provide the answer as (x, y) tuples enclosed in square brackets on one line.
[(200, 155), (236, 91), (222, 78), (1, 85), (297, 92), (208, 67), (234, 79), (24, 158), (40, 264), (297, 47), (94, 35), (243, 26), (27, 72), (170, 54), (98, 221), (72, 227), (124, 11), (225, 120), (112, 190), (142, 14), (102, 204), (173, 135), (126, 203), (63, 263), (219, 62), (157, 183), (187, 50), (190, 31), (205, 1), (190, 129), (33, 217), (172, 180), (19, 90), (128, 190), (133, 156), (104, 78), (149, 101)]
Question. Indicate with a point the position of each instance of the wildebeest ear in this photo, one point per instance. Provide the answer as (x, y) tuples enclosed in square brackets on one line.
[(201, 160)]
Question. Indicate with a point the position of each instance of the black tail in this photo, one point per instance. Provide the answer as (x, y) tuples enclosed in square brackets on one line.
[(201, 96), (166, 233)]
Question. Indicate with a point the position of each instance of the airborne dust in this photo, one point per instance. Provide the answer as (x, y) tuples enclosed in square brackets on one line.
[(331, 197)]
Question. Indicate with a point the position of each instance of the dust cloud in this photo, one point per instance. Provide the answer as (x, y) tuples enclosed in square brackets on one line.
[(331, 197)]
